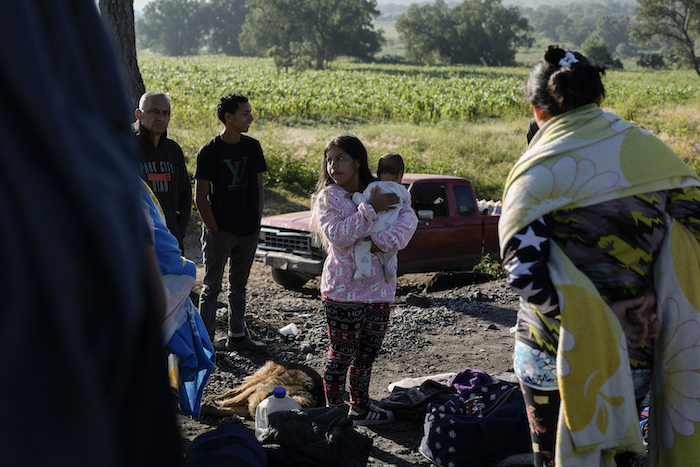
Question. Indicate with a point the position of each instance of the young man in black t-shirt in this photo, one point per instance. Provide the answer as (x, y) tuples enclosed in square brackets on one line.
[(229, 197)]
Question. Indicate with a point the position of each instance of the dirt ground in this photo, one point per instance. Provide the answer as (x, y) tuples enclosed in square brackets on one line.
[(465, 326)]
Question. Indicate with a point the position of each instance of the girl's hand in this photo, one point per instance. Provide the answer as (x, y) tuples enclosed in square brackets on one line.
[(383, 201), (374, 248)]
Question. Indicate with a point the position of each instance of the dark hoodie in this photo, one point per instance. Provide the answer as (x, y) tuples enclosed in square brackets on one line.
[(163, 168)]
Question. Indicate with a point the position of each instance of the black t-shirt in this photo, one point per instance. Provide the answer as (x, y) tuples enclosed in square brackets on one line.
[(233, 172)]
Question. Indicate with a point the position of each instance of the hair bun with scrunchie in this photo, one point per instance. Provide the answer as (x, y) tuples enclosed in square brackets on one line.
[(554, 54), (563, 58), (564, 80)]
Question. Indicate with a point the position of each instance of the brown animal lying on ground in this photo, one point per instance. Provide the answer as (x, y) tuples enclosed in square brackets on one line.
[(302, 383)]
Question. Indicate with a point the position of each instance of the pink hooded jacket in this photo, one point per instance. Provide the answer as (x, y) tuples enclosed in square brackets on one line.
[(343, 223)]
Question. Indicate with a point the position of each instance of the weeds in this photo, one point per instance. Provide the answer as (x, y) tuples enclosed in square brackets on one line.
[(491, 267)]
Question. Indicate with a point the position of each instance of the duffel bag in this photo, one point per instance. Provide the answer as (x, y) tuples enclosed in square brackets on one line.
[(480, 426)]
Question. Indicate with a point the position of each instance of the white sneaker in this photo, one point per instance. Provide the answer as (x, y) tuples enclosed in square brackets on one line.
[(372, 416)]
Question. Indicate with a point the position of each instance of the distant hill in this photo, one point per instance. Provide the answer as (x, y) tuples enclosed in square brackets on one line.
[(536, 3), (522, 3), (391, 10)]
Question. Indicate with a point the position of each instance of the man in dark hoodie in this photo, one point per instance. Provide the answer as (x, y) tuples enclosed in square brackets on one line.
[(163, 163), (84, 378)]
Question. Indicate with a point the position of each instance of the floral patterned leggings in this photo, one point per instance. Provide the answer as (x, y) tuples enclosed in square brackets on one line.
[(538, 380), (542, 408), (356, 332)]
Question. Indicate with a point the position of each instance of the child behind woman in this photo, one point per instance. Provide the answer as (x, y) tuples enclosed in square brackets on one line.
[(390, 172)]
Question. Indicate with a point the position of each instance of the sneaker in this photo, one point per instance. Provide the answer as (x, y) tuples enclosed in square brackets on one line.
[(372, 416), (243, 344)]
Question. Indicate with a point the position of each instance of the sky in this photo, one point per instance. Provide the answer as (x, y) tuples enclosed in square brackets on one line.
[(139, 4)]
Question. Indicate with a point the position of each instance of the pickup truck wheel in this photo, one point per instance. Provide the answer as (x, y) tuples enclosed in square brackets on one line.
[(289, 279)]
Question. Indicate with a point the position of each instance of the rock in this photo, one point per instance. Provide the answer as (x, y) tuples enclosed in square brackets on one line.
[(418, 300), (449, 280)]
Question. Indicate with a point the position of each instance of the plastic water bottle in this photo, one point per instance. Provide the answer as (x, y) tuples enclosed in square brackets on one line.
[(279, 400)]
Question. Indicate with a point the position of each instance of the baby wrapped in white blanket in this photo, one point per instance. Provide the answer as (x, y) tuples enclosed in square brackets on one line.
[(390, 173)]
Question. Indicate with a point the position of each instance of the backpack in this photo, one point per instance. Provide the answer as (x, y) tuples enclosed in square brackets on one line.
[(478, 427), (226, 446), (315, 437)]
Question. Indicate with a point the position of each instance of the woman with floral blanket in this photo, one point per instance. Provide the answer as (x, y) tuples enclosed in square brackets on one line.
[(599, 236)]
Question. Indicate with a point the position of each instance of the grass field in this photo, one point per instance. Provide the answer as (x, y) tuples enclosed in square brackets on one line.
[(463, 120)]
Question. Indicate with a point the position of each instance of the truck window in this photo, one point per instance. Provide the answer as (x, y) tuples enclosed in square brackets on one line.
[(465, 200), (431, 196)]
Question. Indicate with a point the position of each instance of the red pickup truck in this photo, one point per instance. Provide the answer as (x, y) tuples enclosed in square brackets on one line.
[(452, 234)]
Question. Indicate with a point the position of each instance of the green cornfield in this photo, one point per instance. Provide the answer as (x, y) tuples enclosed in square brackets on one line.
[(346, 91), (462, 120)]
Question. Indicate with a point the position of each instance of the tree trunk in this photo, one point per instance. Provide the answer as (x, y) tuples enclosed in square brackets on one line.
[(118, 16)]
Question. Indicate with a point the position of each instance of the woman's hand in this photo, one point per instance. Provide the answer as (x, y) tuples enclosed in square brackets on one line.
[(638, 318), (653, 320), (383, 201), (633, 324)]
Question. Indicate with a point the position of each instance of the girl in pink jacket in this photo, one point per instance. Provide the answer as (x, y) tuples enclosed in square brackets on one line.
[(357, 313)]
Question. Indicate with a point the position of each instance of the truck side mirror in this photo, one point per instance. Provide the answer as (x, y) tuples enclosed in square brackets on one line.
[(426, 215)]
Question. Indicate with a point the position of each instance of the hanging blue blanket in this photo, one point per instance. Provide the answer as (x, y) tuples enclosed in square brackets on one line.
[(192, 354)]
